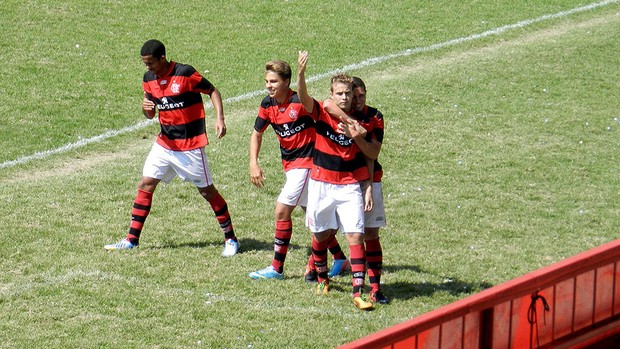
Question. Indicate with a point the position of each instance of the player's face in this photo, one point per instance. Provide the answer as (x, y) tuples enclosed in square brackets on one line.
[(155, 65), (342, 95), (276, 87), (359, 98)]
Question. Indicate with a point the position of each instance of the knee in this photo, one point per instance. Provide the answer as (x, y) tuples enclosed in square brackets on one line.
[(208, 192), (148, 184)]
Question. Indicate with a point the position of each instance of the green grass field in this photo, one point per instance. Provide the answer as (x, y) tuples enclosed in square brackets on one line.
[(500, 157)]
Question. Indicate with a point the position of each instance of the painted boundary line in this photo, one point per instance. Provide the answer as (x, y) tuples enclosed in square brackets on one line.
[(356, 66)]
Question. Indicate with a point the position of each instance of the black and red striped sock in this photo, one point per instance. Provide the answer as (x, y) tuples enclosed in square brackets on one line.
[(358, 267), (334, 248), (319, 254), (374, 258), (220, 208), (139, 212), (284, 231)]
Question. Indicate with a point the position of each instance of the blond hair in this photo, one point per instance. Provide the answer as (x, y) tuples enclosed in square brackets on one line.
[(341, 78)]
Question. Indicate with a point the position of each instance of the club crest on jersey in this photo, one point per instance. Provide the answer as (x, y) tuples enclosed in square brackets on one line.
[(293, 114), (175, 88)]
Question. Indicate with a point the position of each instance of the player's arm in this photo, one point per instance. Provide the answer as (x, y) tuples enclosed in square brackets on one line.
[(370, 148), (218, 107), (367, 186), (334, 111), (256, 173), (148, 107), (302, 91)]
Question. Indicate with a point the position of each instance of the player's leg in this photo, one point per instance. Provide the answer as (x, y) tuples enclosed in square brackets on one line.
[(319, 255), (220, 209), (374, 252), (156, 168), (282, 238), (294, 193), (340, 263), (193, 167), (350, 213), (321, 221)]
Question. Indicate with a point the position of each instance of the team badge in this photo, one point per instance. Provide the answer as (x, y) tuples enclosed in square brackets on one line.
[(293, 114), (175, 88)]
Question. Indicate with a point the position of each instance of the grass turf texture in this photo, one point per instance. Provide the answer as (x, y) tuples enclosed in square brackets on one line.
[(500, 157)]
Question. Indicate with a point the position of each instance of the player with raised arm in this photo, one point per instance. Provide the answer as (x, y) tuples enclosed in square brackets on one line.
[(335, 199)]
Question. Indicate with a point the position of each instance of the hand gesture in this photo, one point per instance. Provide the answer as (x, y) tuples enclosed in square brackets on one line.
[(302, 60)]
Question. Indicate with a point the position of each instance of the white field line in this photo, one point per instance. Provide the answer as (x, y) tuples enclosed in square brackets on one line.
[(355, 66)]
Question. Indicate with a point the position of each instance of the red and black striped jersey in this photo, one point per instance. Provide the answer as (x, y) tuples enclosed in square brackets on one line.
[(337, 158), (372, 120), (294, 127), (178, 98)]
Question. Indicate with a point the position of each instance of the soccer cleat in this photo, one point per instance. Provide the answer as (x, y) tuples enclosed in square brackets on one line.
[(322, 288), (311, 276), (378, 297), (338, 267), (231, 247), (361, 303), (121, 245), (267, 273)]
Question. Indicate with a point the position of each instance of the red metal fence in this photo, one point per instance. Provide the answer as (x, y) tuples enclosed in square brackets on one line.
[(571, 304)]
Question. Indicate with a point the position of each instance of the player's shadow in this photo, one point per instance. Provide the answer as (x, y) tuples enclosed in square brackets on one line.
[(450, 285), (246, 244)]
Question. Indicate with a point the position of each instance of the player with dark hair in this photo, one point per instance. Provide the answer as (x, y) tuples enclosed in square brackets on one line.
[(335, 199), (372, 120), (174, 91)]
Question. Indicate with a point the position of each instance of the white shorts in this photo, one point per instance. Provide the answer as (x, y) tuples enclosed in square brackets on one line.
[(295, 189), (376, 217), (191, 166), (335, 206)]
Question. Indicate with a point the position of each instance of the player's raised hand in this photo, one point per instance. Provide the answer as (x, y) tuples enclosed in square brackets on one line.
[(302, 60)]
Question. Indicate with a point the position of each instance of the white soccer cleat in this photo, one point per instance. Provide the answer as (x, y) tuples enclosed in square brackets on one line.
[(231, 247), (121, 245)]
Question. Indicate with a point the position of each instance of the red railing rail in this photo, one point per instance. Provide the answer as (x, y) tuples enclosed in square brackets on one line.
[(569, 304)]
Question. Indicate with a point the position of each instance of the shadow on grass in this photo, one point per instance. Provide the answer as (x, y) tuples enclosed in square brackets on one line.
[(450, 285), (246, 245)]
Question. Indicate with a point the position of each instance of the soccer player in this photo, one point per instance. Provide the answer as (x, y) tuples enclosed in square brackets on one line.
[(335, 199), (174, 91), (295, 129), (371, 119)]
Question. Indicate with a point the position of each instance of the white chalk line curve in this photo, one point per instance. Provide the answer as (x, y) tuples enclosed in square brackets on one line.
[(355, 66)]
